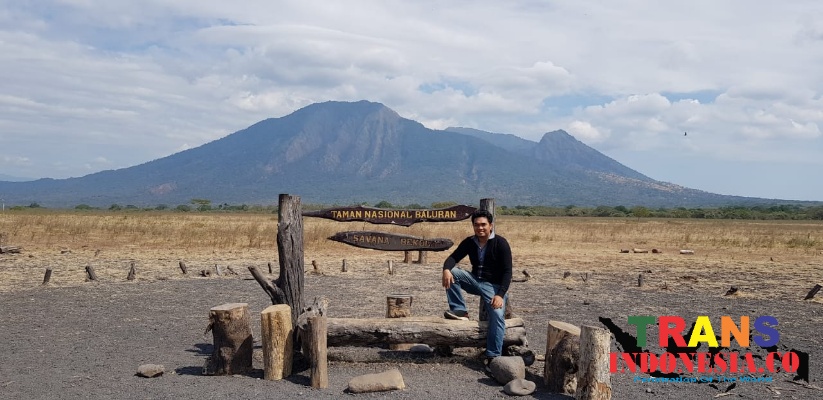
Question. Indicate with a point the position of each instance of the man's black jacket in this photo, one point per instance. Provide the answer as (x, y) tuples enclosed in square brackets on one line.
[(497, 263)]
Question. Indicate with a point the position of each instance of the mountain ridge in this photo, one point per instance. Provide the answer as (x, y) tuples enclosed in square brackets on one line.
[(351, 152)]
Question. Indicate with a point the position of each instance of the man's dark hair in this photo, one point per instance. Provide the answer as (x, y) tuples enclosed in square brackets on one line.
[(483, 213)]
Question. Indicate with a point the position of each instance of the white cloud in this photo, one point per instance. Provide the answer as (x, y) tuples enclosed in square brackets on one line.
[(134, 81)]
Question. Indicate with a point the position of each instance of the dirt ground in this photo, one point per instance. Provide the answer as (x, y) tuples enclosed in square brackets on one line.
[(77, 339)]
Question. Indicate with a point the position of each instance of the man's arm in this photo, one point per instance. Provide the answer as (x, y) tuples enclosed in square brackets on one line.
[(452, 260), (505, 257)]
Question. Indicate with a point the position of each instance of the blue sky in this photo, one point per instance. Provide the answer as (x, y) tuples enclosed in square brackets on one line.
[(89, 85)]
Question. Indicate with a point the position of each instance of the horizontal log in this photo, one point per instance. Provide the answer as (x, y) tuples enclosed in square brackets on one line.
[(9, 249), (428, 330)]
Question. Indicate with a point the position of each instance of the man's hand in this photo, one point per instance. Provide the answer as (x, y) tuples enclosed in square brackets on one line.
[(448, 278), (497, 302)]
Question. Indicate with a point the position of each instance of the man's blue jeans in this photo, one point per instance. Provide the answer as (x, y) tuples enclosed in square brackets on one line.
[(486, 290)]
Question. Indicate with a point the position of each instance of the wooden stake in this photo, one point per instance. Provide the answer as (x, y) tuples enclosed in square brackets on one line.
[(47, 276), (422, 257), (344, 269), (813, 292), (132, 273), (318, 332), (183, 267), (407, 257), (90, 272), (270, 271), (278, 341), (233, 340), (593, 378), (391, 268), (640, 280)]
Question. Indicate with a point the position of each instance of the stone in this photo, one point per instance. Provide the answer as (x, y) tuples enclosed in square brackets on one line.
[(150, 370), (384, 381), (505, 369), (520, 387), (421, 348)]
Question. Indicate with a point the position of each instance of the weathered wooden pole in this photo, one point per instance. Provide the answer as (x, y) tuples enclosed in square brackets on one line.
[(422, 257), (562, 353), (233, 340), (488, 205), (132, 273), (90, 273), (47, 276), (813, 292), (391, 267), (407, 257), (290, 252), (344, 268), (278, 341), (318, 332), (593, 378), (640, 280)]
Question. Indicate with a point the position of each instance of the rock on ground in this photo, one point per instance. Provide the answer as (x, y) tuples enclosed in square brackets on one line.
[(520, 387), (504, 369), (389, 380)]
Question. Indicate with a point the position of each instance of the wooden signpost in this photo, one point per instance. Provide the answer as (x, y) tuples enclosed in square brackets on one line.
[(390, 241), (402, 217)]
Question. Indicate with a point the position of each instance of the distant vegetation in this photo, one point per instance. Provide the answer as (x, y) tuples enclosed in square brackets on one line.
[(758, 212)]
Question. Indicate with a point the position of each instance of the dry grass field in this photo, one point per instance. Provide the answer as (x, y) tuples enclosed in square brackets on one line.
[(762, 258), (83, 340)]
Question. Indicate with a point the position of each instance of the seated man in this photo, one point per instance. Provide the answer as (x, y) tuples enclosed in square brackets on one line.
[(491, 274)]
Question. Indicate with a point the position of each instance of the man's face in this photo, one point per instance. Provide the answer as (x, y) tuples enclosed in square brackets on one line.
[(482, 227)]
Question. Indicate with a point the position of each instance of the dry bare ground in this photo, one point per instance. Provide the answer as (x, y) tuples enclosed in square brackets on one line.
[(74, 338)]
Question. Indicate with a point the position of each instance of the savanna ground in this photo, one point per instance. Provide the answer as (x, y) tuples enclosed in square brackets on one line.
[(74, 338)]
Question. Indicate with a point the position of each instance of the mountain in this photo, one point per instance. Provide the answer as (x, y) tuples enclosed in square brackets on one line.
[(345, 153)]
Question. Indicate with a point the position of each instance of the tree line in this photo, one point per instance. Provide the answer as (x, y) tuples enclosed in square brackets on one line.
[(758, 212)]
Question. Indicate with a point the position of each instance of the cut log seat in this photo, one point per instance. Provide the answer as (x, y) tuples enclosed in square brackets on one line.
[(429, 330)]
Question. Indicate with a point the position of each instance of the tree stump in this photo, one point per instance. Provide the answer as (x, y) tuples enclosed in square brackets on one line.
[(278, 341), (399, 306), (562, 354), (593, 377), (233, 340), (318, 352)]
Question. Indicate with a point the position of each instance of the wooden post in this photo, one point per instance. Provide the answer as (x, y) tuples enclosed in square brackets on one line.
[(344, 268), (407, 257), (422, 257), (290, 252), (233, 340), (47, 276), (90, 272), (399, 306), (391, 268), (562, 353), (813, 292), (593, 378), (270, 271), (183, 268), (132, 273), (314, 266), (278, 341), (488, 205), (640, 280), (318, 351)]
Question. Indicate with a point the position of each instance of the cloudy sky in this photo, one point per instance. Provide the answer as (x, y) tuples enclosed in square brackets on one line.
[(88, 85)]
